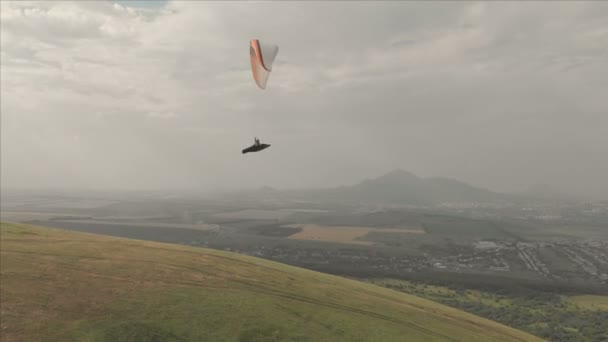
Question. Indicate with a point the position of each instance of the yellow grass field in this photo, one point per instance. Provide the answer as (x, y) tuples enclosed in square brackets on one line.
[(254, 214), (590, 302), (65, 286), (344, 234)]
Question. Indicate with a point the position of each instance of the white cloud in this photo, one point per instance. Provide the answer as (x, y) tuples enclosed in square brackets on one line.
[(436, 88)]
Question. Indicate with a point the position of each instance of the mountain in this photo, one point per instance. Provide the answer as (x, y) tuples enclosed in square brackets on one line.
[(403, 187), (65, 286)]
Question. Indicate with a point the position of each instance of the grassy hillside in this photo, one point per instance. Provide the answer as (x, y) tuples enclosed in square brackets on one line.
[(58, 285)]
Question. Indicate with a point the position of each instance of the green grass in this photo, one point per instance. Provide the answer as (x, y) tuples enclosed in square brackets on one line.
[(590, 302), (66, 286), (545, 314), (437, 293)]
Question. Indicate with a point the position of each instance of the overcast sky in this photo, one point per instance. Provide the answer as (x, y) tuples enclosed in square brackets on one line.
[(160, 95)]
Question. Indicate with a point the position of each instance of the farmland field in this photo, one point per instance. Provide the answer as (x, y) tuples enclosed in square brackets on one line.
[(21, 216), (344, 234), (590, 302), (254, 214)]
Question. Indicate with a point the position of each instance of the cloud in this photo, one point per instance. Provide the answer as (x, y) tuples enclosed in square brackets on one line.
[(498, 94)]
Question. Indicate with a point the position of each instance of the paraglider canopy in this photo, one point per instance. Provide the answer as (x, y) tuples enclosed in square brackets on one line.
[(262, 56)]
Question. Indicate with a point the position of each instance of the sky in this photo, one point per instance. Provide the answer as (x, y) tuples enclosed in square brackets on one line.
[(159, 95)]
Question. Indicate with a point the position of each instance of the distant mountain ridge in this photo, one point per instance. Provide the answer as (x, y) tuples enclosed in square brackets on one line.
[(395, 187), (399, 186)]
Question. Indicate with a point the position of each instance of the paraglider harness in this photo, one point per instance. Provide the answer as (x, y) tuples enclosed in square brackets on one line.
[(256, 147)]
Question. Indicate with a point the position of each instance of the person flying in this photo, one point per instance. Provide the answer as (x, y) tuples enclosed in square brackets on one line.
[(256, 147)]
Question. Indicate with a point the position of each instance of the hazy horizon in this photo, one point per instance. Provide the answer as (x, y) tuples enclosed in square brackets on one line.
[(159, 95)]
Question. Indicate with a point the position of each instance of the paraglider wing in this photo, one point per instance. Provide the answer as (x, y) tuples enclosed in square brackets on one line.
[(261, 56)]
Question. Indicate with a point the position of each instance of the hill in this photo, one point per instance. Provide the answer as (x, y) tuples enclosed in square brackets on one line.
[(403, 187), (59, 286), (395, 187)]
